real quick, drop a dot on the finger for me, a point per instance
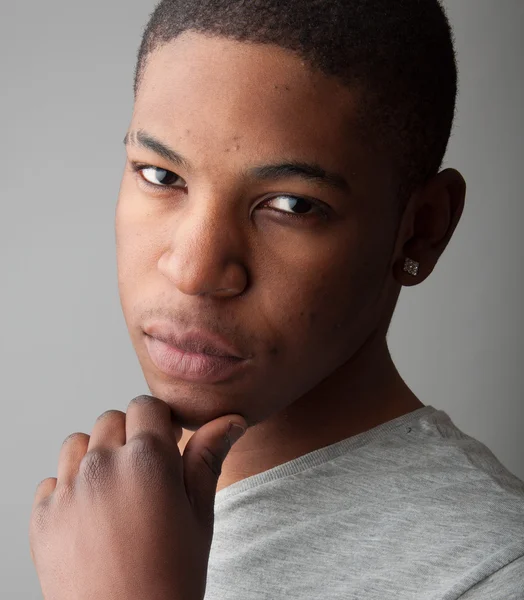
(44, 489)
(73, 450)
(109, 431)
(203, 458)
(147, 414)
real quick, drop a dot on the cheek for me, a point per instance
(134, 233)
(332, 302)
(315, 323)
(133, 262)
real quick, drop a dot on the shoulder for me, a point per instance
(470, 485)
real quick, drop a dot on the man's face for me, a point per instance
(223, 251)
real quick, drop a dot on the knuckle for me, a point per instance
(94, 466)
(75, 437)
(39, 517)
(145, 443)
(146, 454)
(63, 494)
(143, 399)
(44, 481)
(113, 412)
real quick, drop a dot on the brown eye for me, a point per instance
(293, 204)
(295, 207)
(159, 177)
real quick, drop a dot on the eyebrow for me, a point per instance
(308, 171)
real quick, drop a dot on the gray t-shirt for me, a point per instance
(412, 509)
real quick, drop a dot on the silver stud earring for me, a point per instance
(411, 266)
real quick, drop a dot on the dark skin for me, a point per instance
(309, 298)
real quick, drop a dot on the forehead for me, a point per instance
(226, 103)
(224, 88)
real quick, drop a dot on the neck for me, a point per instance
(364, 393)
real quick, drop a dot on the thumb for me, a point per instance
(203, 457)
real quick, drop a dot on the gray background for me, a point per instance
(65, 353)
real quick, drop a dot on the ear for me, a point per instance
(429, 221)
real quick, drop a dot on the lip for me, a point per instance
(194, 341)
(191, 366)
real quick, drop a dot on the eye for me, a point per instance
(295, 206)
(155, 176)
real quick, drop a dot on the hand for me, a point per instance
(128, 517)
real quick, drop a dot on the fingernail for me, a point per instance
(235, 432)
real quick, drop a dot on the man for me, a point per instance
(282, 185)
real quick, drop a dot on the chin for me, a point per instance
(194, 405)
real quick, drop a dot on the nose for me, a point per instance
(206, 253)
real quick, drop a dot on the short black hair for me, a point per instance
(399, 52)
